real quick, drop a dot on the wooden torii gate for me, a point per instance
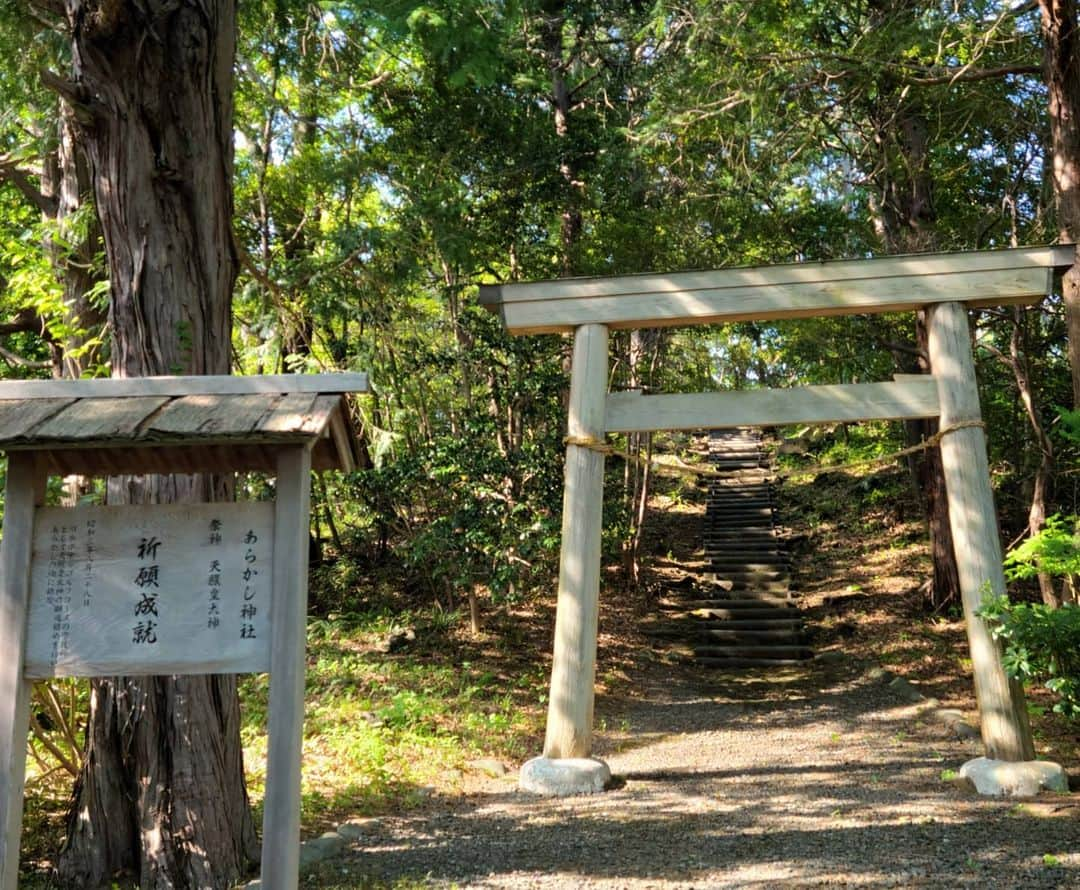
(947, 284)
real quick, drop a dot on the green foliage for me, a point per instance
(1042, 644)
(1054, 551)
(378, 727)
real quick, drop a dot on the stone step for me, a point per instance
(736, 552)
(763, 571)
(720, 594)
(756, 581)
(730, 526)
(736, 599)
(722, 584)
(739, 508)
(727, 526)
(757, 613)
(681, 618)
(734, 558)
(731, 481)
(745, 548)
(744, 551)
(732, 541)
(752, 587)
(728, 531)
(741, 488)
(752, 651)
(731, 663)
(751, 578)
(746, 563)
(786, 636)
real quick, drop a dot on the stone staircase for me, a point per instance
(740, 611)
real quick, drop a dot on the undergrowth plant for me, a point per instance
(1042, 643)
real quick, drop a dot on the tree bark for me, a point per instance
(76, 265)
(931, 476)
(553, 21)
(162, 794)
(1061, 62)
(1045, 472)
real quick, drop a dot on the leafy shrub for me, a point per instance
(1042, 644)
(1055, 550)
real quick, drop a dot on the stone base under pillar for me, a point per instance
(563, 777)
(999, 778)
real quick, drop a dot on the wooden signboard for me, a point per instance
(162, 589)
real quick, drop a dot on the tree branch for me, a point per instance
(963, 75)
(13, 174)
(26, 321)
(919, 75)
(75, 95)
(19, 362)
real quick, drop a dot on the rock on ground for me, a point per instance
(998, 778)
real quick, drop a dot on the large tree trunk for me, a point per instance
(552, 24)
(945, 587)
(162, 794)
(905, 221)
(1045, 472)
(65, 183)
(81, 274)
(1061, 41)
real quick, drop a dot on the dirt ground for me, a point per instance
(799, 778)
(829, 774)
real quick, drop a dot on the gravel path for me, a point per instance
(800, 778)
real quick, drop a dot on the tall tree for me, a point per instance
(1061, 57)
(162, 793)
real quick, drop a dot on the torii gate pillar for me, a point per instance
(973, 519)
(565, 767)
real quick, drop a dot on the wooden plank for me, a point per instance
(205, 415)
(773, 302)
(319, 418)
(341, 436)
(634, 412)
(25, 486)
(213, 456)
(184, 386)
(20, 417)
(973, 520)
(779, 274)
(570, 704)
(290, 414)
(150, 589)
(89, 419)
(281, 807)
